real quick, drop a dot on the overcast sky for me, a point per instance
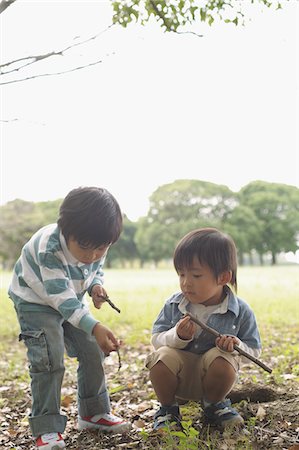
(222, 108)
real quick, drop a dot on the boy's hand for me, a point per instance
(105, 339)
(226, 343)
(186, 328)
(98, 295)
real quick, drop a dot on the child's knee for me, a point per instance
(168, 356)
(222, 366)
(219, 359)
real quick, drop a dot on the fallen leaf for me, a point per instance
(261, 413)
(138, 423)
(67, 400)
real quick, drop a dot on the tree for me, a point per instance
(276, 207)
(172, 15)
(177, 208)
(18, 221)
(176, 13)
(125, 249)
(154, 241)
(49, 210)
(200, 203)
(262, 216)
(244, 227)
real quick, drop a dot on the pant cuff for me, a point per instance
(48, 423)
(94, 405)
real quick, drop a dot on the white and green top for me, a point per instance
(48, 274)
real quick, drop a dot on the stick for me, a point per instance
(236, 347)
(107, 299)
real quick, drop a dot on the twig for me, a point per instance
(119, 359)
(107, 299)
(5, 68)
(51, 74)
(236, 347)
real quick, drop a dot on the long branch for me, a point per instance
(37, 58)
(5, 68)
(236, 347)
(52, 74)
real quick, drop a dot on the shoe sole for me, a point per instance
(168, 427)
(54, 447)
(227, 424)
(121, 428)
(233, 423)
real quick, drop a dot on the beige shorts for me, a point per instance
(190, 368)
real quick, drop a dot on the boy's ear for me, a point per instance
(225, 277)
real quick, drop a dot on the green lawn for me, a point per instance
(272, 292)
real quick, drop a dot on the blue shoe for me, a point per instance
(167, 416)
(222, 414)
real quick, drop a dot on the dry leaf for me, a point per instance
(261, 413)
(67, 400)
(139, 423)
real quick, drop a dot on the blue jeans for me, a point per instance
(46, 335)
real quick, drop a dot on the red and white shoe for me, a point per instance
(50, 441)
(104, 422)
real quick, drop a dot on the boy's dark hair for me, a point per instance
(211, 247)
(91, 216)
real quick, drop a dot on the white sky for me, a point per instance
(222, 108)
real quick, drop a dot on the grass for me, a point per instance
(272, 292)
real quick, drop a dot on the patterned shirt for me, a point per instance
(48, 274)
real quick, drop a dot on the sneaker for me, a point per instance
(104, 422)
(222, 414)
(50, 441)
(166, 417)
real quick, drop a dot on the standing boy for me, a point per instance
(57, 266)
(188, 363)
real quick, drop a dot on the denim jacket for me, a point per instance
(239, 321)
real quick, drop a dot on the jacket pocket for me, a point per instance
(37, 350)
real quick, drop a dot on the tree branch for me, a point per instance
(162, 17)
(167, 25)
(51, 74)
(5, 4)
(8, 67)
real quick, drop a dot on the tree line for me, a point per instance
(262, 218)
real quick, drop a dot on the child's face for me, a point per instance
(86, 255)
(199, 285)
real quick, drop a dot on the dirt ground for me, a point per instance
(270, 410)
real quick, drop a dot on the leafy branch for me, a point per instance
(175, 14)
(172, 14)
